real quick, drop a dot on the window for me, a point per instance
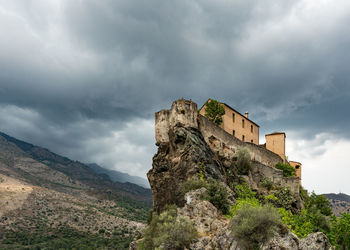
(242, 123)
(233, 132)
(251, 141)
(251, 128)
(233, 117)
(242, 137)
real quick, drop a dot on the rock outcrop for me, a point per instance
(189, 146)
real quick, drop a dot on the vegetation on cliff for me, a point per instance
(287, 169)
(168, 231)
(214, 111)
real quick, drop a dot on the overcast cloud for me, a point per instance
(84, 78)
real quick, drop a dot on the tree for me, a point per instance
(214, 111)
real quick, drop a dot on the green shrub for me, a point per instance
(243, 191)
(319, 202)
(168, 231)
(340, 233)
(287, 169)
(284, 198)
(217, 195)
(305, 223)
(270, 198)
(243, 202)
(266, 183)
(304, 195)
(253, 226)
(243, 162)
(193, 184)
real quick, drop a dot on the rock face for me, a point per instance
(190, 146)
(177, 161)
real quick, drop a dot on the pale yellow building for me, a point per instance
(238, 125)
(246, 130)
(276, 142)
(297, 166)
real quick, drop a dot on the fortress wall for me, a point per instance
(258, 153)
(162, 126)
(182, 112)
(260, 171)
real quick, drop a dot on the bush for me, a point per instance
(287, 169)
(284, 197)
(252, 202)
(253, 226)
(243, 162)
(243, 191)
(193, 184)
(319, 202)
(217, 195)
(168, 231)
(305, 223)
(340, 233)
(266, 183)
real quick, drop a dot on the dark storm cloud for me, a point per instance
(75, 73)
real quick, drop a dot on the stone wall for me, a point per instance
(258, 153)
(182, 112)
(226, 145)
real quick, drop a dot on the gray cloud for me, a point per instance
(74, 74)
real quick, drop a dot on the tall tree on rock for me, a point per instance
(214, 111)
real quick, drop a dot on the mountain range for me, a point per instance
(118, 176)
(340, 203)
(48, 200)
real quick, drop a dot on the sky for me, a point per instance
(84, 78)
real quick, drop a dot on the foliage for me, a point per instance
(267, 184)
(305, 223)
(319, 202)
(284, 198)
(243, 191)
(304, 195)
(168, 231)
(287, 169)
(340, 233)
(254, 225)
(193, 184)
(270, 198)
(243, 162)
(243, 202)
(312, 218)
(217, 195)
(214, 111)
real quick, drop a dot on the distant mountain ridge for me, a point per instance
(340, 203)
(118, 176)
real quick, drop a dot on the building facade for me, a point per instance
(276, 142)
(237, 124)
(244, 129)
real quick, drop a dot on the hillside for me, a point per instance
(340, 203)
(49, 200)
(119, 176)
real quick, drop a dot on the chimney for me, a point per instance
(246, 114)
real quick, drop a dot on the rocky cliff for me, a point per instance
(190, 147)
